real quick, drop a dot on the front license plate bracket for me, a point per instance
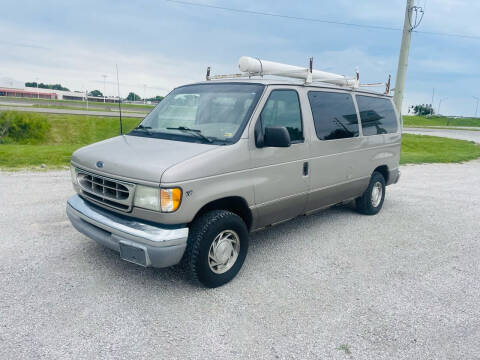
(133, 254)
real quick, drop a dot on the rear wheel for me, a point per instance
(371, 202)
(216, 248)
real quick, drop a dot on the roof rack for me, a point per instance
(251, 67)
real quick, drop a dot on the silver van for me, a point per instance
(219, 159)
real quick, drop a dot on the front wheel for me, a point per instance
(371, 202)
(216, 248)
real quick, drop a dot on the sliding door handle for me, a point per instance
(305, 168)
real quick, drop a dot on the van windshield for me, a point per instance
(207, 113)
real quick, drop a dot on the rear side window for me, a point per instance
(377, 115)
(283, 109)
(334, 115)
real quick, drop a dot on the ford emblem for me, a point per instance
(100, 164)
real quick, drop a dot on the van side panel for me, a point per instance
(335, 170)
(381, 149)
(223, 172)
(280, 187)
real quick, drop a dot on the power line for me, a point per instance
(474, 37)
(283, 16)
(317, 20)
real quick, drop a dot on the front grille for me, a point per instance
(111, 192)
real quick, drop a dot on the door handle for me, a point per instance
(305, 168)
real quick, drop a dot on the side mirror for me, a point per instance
(276, 137)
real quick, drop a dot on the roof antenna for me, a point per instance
(387, 85)
(208, 74)
(357, 78)
(310, 70)
(119, 102)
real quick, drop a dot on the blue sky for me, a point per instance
(163, 44)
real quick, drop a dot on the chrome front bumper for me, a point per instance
(137, 242)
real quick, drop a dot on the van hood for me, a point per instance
(135, 157)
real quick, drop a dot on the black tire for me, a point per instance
(202, 233)
(364, 203)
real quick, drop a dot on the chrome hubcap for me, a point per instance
(224, 251)
(377, 192)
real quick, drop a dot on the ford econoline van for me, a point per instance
(219, 159)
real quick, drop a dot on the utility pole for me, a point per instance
(38, 94)
(476, 107)
(403, 59)
(104, 87)
(440, 104)
(433, 95)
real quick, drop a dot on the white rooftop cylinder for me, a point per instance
(264, 67)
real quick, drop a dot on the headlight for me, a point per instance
(147, 197)
(170, 199)
(73, 173)
(164, 200)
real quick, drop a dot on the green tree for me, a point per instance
(46, 86)
(423, 109)
(157, 98)
(96, 93)
(133, 97)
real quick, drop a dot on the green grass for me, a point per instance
(70, 132)
(47, 102)
(422, 121)
(345, 348)
(90, 108)
(83, 129)
(33, 156)
(67, 133)
(418, 149)
(113, 108)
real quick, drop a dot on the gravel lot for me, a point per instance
(337, 285)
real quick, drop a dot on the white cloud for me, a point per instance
(79, 65)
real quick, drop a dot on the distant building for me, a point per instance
(28, 93)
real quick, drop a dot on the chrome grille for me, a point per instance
(111, 192)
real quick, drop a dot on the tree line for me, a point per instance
(131, 96)
(46, 86)
(97, 93)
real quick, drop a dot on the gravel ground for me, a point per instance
(469, 135)
(400, 285)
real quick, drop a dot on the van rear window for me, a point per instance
(334, 115)
(377, 115)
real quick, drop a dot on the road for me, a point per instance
(469, 135)
(403, 284)
(125, 113)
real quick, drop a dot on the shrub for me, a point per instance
(22, 127)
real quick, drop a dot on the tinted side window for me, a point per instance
(283, 109)
(377, 115)
(334, 115)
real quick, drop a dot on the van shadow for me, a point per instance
(175, 277)
(110, 262)
(299, 226)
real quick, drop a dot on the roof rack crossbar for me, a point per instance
(252, 67)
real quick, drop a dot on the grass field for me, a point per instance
(67, 133)
(72, 103)
(70, 132)
(112, 107)
(422, 121)
(418, 149)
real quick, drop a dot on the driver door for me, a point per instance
(279, 174)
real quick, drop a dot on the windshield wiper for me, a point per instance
(143, 128)
(196, 132)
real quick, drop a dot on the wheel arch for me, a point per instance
(236, 204)
(383, 169)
